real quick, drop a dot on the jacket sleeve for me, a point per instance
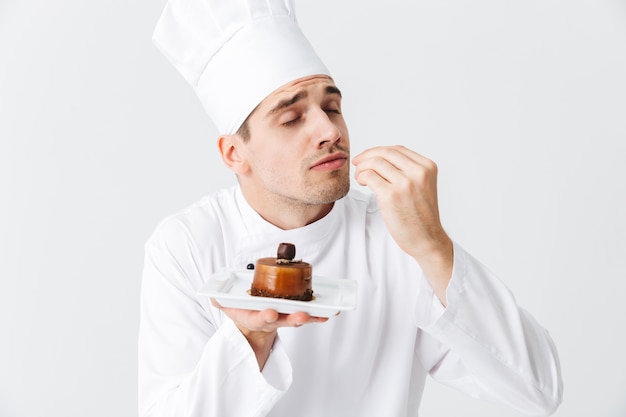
(484, 344)
(193, 361)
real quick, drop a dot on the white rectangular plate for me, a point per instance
(231, 289)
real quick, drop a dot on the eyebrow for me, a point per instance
(331, 89)
(287, 102)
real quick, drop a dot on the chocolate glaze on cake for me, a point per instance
(283, 277)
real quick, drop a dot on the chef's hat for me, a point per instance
(235, 52)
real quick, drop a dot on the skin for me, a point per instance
(295, 164)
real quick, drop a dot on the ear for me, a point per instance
(229, 147)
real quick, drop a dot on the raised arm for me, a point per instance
(405, 185)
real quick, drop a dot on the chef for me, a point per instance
(424, 306)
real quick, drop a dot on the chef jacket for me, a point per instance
(372, 361)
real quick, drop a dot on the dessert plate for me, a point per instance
(231, 289)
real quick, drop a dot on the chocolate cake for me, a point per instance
(283, 277)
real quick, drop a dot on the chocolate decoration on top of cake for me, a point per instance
(286, 251)
(283, 277)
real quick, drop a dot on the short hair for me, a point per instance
(244, 130)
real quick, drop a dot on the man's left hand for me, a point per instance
(405, 185)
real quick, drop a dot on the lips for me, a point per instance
(331, 162)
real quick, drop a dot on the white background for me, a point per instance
(521, 103)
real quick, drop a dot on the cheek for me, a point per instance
(270, 164)
(277, 154)
(282, 169)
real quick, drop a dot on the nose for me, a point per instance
(326, 132)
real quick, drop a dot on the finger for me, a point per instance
(269, 316)
(372, 179)
(387, 150)
(404, 173)
(264, 320)
(376, 151)
(382, 167)
(268, 319)
(298, 319)
(398, 155)
(411, 154)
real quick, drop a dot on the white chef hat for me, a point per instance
(235, 52)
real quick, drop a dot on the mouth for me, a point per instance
(331, 162)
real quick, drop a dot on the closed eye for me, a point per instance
(291, 122)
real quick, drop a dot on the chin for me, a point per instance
(330, 195)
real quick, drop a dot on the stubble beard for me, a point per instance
(325, 189)
(335, 186)
(338, 188)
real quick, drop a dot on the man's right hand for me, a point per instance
(259, 327)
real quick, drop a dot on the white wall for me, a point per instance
(522, 104)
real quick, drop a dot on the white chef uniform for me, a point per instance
(372, 361)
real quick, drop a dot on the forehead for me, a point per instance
(307, 84)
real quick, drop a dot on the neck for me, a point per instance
(286, 213)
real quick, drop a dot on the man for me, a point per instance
(424, 306)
